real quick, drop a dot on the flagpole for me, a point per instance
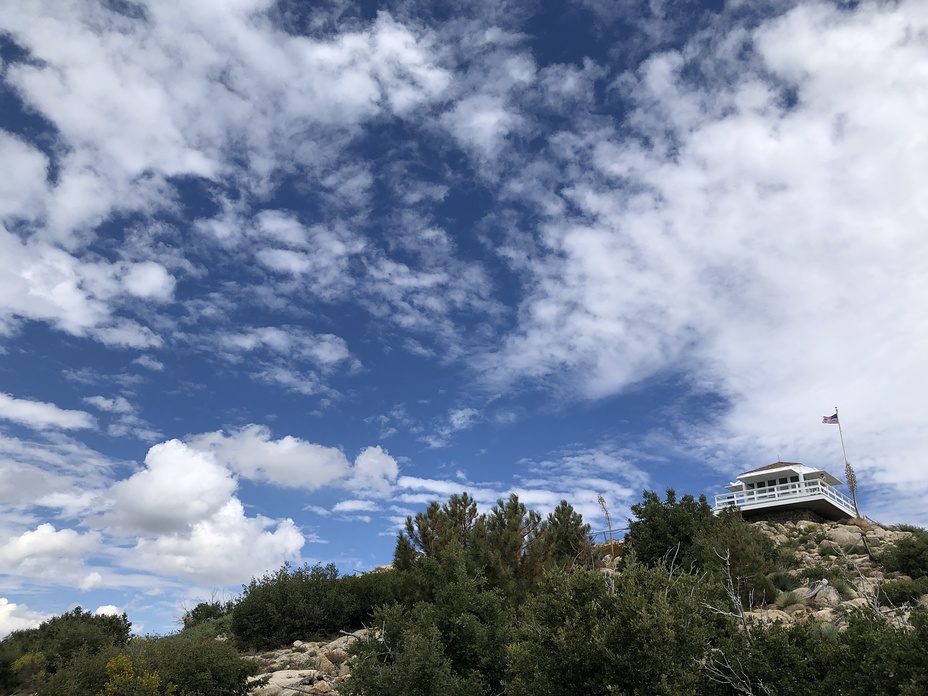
(848, 471)
(841, 435)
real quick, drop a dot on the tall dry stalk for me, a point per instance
(851, 478)
(602, 505)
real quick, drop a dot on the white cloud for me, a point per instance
(90, 581)
(149, 280)
(40, 415)
(56, 472)
(457, 420)
(769, 252)
(356, 506)
(149, 363)
(374, 472)
(45, 283)
(294, 463)
(142, 99)
(107, 610)
(115, 405)
(481, 123)
(178, 488)
(45, 540)
(18, 617)
(53, 555)
(21, 195)
(325, 350)
(225, 549)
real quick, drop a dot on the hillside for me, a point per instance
(833, 577)
(512, 603)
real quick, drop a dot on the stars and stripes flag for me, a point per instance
(831, 420)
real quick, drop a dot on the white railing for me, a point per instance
(784, 493)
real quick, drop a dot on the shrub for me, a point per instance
(193, 666)
(898, 592)
(643, 638)
(291, 604)
(665, 530)
(751, 556)
(786, 599)
(59, 641)
(207, 611)
(453, 644)
(908, 556)
(83, 674)
(783, 581)
(367, 592)
(128, 678)
(832, 574)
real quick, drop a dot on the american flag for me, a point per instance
(831, 420)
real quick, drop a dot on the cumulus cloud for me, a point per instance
(49, 555)
(149, 280)
(225, 549)
(18, 617)
(374, 472)
(107, 610)
(45, 542)
(21, 195)
(179, 487)
(295, 463)
(40, 415)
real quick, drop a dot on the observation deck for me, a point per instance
(786, 486)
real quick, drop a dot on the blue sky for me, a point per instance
(275, 275)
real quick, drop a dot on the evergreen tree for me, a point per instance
(568, 538)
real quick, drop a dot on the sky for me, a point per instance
(277, 274)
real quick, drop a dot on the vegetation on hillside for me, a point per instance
(510, 602)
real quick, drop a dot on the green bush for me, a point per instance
(83, 674)
(664, 531)
(751, 556)
(194, 666)
(639, 632)
(832, 574)
(787, 599)
(56, 643)
(207, 611)
(455, 643)
(368, 592)
(908, 556)
(291, 604)
(783, 580)
(898, 592)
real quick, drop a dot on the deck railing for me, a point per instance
(784, 493)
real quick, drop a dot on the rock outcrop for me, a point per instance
(313, 668)
(835, 568)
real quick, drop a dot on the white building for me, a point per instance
(786, 486)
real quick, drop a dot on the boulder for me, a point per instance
(822, 594)
(844, 535)
(279, 681)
